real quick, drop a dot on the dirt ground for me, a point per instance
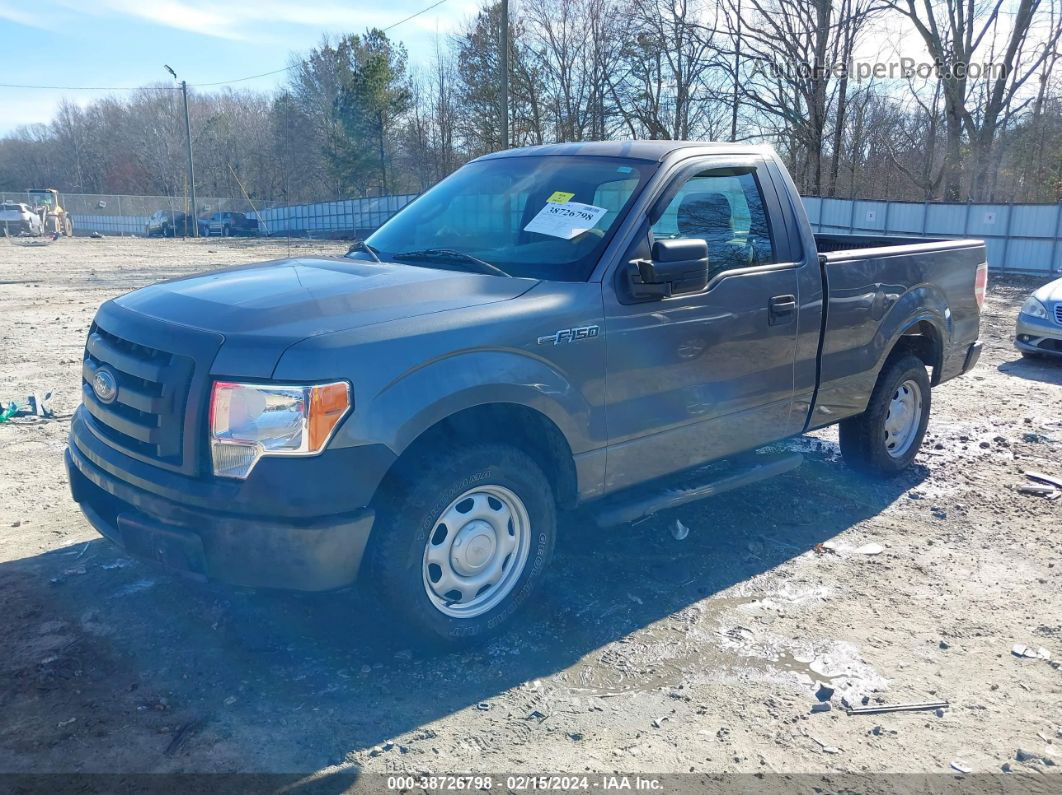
(643, 653)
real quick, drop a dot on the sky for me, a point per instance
(126, 42)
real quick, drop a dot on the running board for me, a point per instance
(639, 506)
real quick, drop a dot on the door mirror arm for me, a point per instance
(677, 266)
(645, 282)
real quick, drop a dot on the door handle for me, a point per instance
(781, 309)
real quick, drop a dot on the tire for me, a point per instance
(869, 443)
(411, 538)
(68, 226)
(226, 232)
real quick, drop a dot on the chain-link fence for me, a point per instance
(157, 215)
(345, 218)
(113, 214)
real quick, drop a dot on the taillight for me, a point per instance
(981, 284)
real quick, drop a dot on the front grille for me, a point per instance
(147, 414)
(1058, 312)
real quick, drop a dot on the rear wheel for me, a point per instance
(68, 226)
(885, 438)
(462, 540)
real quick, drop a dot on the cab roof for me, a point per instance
(653, 151)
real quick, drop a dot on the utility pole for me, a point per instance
(503, 59)
(737, 70)
(188, 143)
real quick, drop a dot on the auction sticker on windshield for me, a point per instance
(565, 220)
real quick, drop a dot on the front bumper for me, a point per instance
(1038, 335)
(216, 530)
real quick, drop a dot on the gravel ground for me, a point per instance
(643, 653)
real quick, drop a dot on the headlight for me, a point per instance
(248, 421)
(1033, 308)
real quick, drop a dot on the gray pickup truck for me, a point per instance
(616, 326)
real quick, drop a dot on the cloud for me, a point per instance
(208, 19)
(265, 20)
(20, 15)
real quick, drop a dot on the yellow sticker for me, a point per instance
(560, 197)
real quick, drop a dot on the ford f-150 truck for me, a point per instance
(617, 326)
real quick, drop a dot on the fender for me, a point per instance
(924, 303)
(428, 393)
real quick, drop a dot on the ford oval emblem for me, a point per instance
(105, 386)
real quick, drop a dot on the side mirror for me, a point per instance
(677, 266)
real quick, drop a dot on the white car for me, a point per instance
(1039, 328)
(18, 219)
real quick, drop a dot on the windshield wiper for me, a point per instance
(452, 256)
(361, 245)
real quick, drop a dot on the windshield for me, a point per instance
(539, 217)
(43, 199)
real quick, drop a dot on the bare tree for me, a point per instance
(956, 32)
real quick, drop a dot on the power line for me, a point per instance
(209, 85)
(249, 77)
(413, 16)
(304, 60)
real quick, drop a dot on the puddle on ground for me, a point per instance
(708, 643)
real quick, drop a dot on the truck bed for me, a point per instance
(878, 288)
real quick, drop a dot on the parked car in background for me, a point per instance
(18, 219)
(228, 224)
(164, 223)
(1039, 327)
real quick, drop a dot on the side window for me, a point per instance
(723, 207)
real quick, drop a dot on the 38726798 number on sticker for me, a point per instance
(565, 220)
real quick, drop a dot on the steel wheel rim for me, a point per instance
(476, 551)
(902, 418)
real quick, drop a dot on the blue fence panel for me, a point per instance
(1021, 238)
(869, 216)
(813, 208)
(946, 220)
(988, 220)
(836, 213)
(906, 218)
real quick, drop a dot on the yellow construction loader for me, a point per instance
(45, 202)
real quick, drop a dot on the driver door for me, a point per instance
(696, 377)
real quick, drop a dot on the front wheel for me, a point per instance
(885, 438)
(462, 540)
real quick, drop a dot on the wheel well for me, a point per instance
(923, 340)
(506, 423)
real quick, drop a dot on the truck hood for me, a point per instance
(261, 309)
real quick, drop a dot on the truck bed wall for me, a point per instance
(876, 294)
(826, 243)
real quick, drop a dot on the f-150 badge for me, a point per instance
(566, 335)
